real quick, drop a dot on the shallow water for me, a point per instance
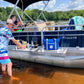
(32, 73)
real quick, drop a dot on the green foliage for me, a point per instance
(55, 16)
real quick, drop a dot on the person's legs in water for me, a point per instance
(6, 64)
(9, 69)
(3, 67)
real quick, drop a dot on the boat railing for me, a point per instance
(58, 29)
(59, 26)
(18, 34)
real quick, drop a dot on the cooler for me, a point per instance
(51, 44)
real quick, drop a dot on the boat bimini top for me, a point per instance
(26, 3)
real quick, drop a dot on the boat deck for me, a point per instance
(65, 51)
(65, 57)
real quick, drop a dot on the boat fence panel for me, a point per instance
(71, 38)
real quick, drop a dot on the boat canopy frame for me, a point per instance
(21, 1)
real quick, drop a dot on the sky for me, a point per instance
(53, 5)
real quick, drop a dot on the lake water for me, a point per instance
(32, 73)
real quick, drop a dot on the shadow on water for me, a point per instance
(33, 68)
(35, 73)
(44, 70)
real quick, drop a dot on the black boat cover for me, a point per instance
(26, 3)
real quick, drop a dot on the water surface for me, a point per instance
(32, 73)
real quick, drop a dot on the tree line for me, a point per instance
(34, 13)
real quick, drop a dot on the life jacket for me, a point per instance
(19, 23)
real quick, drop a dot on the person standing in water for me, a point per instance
(5, 37)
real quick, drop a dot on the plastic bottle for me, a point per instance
(27, 45)
(18, 47)
(32, 45)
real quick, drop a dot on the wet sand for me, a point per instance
(32, 73)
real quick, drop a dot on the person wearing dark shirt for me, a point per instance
(16, 22)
